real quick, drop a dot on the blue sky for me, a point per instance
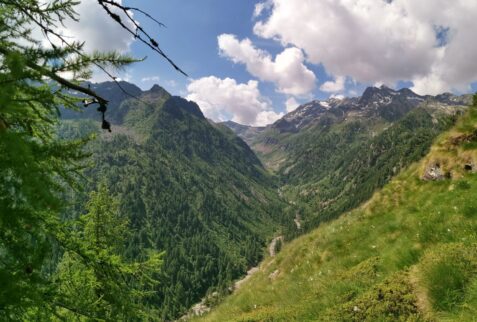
(254, 60)
(190, 39)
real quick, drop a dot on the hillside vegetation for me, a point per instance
(408, 254)
(189, 188)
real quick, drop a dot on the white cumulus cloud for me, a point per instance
(261, 7)
(97, 29)
(291, 104)
(338, 85)
(224, 99)
(287, 71)
(267, 117)
(429, 42)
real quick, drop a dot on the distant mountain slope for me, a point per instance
(111, 92)
(190, 188)
(408, 254)
(247, 133)
(332, 155)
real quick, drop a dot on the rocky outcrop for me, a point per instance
(434, 172)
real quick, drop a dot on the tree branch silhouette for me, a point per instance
(140, 34)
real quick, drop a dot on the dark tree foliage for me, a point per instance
(37, 169)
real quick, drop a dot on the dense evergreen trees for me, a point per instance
(37, 168)
(94, 279)
(190, 188)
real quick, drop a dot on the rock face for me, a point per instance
(304, 115)
(434, 172)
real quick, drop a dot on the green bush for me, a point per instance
(391, 300)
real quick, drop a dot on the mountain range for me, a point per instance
(332, 155)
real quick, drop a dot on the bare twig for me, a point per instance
(150, 42)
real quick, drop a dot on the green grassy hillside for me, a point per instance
(408, 254)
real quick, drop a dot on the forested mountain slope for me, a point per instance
(190, 188)
(332, 155)
(408, 254)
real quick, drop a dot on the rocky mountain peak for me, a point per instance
(156, 88)
(302, 116)
(368, 94)
(384, 97)
(410, 94)
(377, 95)
(157, 91)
